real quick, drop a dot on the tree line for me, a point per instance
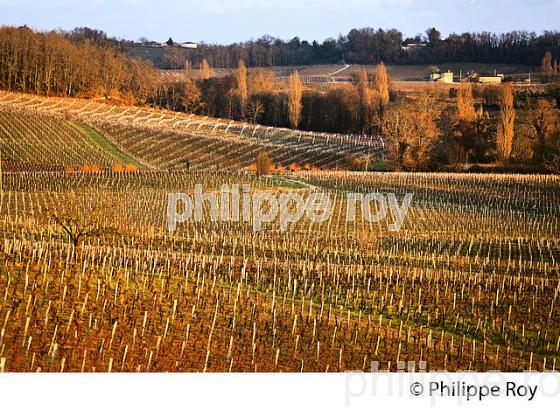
(371, 46)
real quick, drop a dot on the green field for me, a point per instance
(105, 144)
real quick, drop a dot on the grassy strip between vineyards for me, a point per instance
(105, 144)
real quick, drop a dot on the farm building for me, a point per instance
(485, 79)
(490, 79)
(152, 44)
(189, 44)
(413, 46)
(440, 77)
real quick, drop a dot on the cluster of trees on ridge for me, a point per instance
(371, 46)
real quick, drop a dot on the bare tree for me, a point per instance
(543, 121)
(547, 65)
(255, 109)
(398, 127)
(264, 164)
(463, 123)
(294, 99)
(412, 133)
(362, 161)
(187, 68)
(87, 213)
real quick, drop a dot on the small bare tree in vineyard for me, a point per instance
(86, 214)
(264, 164)
(363, 161)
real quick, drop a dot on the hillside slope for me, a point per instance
(76, 132)
(42, 142)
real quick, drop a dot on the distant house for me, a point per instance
(413, 46)
(439, 77)
(152, 44)
(189, 44)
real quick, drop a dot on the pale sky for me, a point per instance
(227, 21)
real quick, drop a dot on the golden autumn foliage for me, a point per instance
(242, 86)
(411, 130)
(465, 105)
(506, 126)
(294, 100)
(206, 71)
(261, 80)
(130, 168)
(191, 95)
(381, 83)
(90, 169)
(49, 63)
(118, 168)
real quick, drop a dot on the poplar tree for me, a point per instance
(366, 99)
(465, 105)
(242, 86)
(506, 125)
(381, 83)
(294, 100)
(205, 70)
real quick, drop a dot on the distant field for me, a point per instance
(398, 72)
(145, 53)
(415, 72)
(342, 73)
